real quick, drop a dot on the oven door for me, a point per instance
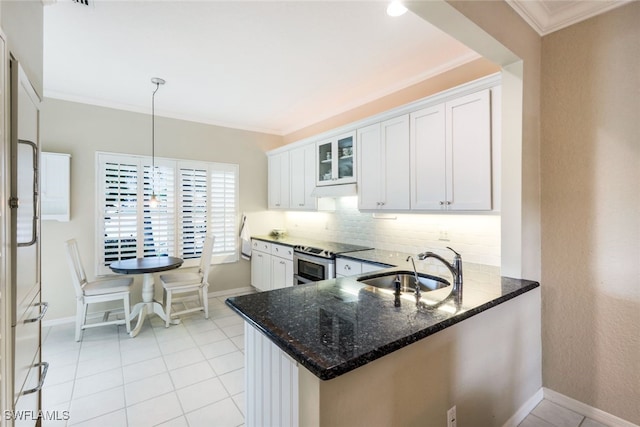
(309, 268)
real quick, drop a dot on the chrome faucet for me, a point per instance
(455, 267)
(415, 274)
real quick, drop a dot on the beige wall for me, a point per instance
(591, 211)
(470, 71)
(81, 130)
(22, 22)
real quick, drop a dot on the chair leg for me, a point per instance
(127, 313)
(205, 300)
(81, 313)
(167, 309)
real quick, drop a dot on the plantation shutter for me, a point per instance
(158, 227)
(195, 198)
(119, 211)
(193, 210)
(224, 181)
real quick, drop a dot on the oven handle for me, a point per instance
(299, 280)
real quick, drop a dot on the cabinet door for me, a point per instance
(325, 150)
(395, 160)
(428, 158)
(344, 165)
(303, 177)
(281, 272)
(335, 160)
(468, 137)
(261, 271)
(370, 169)
(278, 181)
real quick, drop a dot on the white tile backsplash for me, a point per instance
(475, 236)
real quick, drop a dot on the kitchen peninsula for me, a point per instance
(340, 352)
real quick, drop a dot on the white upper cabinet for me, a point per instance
(451, 155)
(278, 185)
(383, 165)
(335, 160)
(55, 186)
(303, 173)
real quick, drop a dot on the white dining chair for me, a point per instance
(189, 282)
(96, 291)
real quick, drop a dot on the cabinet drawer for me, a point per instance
(27, 342)
(347, 267)
(259, 245)
(282, 251)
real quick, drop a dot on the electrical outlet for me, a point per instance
(444, 235)
(451, 417)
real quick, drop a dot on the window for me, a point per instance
(195, 198)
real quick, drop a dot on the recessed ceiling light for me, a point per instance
(396, 8)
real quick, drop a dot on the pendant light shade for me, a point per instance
(153, 202)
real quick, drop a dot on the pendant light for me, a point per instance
(153, 202)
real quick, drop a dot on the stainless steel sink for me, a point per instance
(407, 281)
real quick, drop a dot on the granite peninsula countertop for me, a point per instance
(335, 326)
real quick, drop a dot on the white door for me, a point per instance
(25, 242)
(281, 272)
(428, 158)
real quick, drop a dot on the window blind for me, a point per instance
(195, 198)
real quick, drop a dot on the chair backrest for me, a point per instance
(78, 275)
(205, 257)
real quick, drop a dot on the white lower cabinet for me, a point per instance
(271, 383)
(281, 266)
(271, 265)
(261, 265)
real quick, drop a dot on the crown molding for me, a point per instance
(546, 19)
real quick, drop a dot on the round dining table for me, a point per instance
(146, 266)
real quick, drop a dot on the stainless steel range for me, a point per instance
(317, 260)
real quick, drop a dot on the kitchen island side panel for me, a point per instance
(489, 366)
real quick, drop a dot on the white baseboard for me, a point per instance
(586, 410)
(524, 410)
(236, 291)
(72, 319)
(58, 322)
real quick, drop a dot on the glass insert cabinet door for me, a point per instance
(336, 160)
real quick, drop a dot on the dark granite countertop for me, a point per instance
(335, 326)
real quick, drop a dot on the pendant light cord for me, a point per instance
(153, 134)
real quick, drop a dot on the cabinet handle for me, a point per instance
(42, 378)
(441, 203)
(45, 307)
(448, 202)
(281, 262)
(14, 202)
(300, 204)
(347, 267)
(277, 250)
(382, 203)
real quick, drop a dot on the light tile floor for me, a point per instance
(550, 414)
(190, 374)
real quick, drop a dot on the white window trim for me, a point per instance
(102, 157)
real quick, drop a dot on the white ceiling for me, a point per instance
(271, 66)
